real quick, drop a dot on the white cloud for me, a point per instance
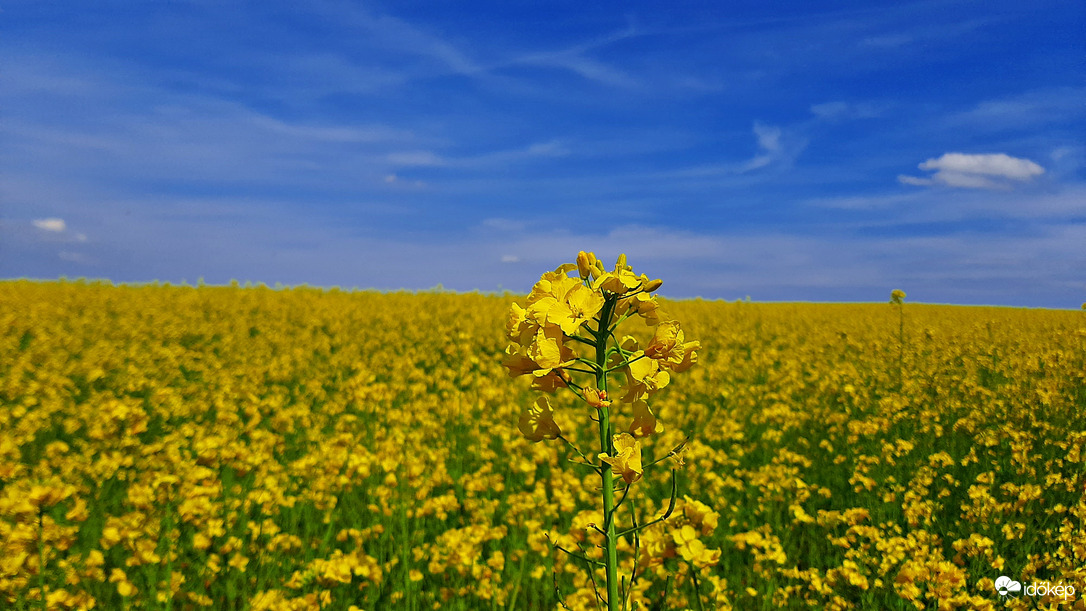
(985, 171)
(999, 164)
(510, 259)
(50, 224)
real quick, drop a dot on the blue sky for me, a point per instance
(779, 150)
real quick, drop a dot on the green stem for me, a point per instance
(584, 458)
(607, 477)
(625, 363)
(41, 558)
(578, 338)
(697, 590)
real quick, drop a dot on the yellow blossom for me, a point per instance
(644, 421)
(537, 422)
(626, 462)
(667, 344)
(596, 398)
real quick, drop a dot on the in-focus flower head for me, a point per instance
(580, 305)
(618, 282)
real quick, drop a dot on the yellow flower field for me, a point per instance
(166, 447)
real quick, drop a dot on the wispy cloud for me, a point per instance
(576, 59)
(1021, 209)
(165, 135)
(424, 159)
(769, 142)
(984, 171)
(394, 34)
(775, 147)
(1025, 110)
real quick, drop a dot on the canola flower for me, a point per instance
(568, 326)
(242, 447)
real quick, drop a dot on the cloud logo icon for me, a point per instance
(1005, 586)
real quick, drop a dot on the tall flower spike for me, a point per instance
(565, 332)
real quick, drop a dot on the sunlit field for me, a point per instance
(166, 447)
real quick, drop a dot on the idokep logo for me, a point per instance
(1009, 588)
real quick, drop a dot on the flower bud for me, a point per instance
(596, 398)
(585, 263)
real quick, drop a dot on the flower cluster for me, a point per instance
(567, 321)
(567, 327)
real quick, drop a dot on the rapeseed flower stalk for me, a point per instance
(565, 337)
(897, 298)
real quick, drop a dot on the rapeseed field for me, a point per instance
(173, 447)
